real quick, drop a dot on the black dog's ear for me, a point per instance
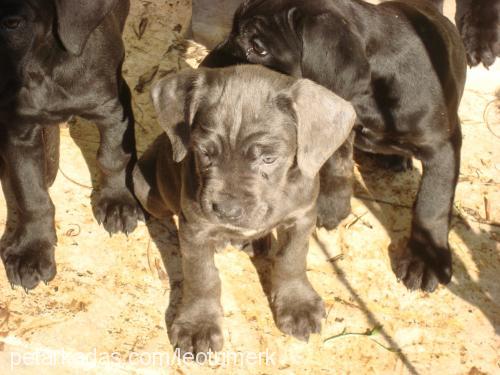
(176, 98)
(76, 19)
(324, 122)
(334, 56)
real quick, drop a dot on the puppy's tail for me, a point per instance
(51, 141)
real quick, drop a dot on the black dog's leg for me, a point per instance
(28, 255)
(428, 261)
(197, 326)
(116, 207)
(297, 308)
(479, 24)
(336, 179)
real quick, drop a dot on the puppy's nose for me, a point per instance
(227, 208)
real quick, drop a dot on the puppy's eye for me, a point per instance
(205, 157)
(204, 154)
(258, 47)
(268, 159)
(11, 23)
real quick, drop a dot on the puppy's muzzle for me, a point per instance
(227, 208)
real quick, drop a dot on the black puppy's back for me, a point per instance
(442, 44)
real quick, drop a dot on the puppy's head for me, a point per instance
(32, 30)
(304, 39)
(255, 139)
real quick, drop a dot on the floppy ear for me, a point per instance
(77, 19)
(176, 99)
(324, 122)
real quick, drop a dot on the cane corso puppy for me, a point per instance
(61, 58)
(402, 65)
(241, 156)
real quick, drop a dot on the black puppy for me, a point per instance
(402, 64)
(61, 58)
(242, 156)
(477, 20)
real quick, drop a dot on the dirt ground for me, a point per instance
(111, 295)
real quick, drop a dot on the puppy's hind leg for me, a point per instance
(336, 179)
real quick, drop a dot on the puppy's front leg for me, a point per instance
(297, 308)
(479, 24)
(428, 259)
(197, 326)
(336, 177)
(116, 208)
(28, 254)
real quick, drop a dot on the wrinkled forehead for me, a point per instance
(244, 108)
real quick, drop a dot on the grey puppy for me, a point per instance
(240, 157)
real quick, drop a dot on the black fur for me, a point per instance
(61, 58)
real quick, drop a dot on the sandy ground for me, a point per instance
(111, 295)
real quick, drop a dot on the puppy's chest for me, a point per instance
(247, 239)
(43, 101)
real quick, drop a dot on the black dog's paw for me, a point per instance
(197, 335)
(394, 163)
(117, 211)
(298, 311)
(27, 262)
(332, 210)
(424, 268)
(479, 26)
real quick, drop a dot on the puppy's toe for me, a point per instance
(196, 337)
(299, 315)
(419, 277)
(118, 212)
(424, 272)
(480, 33)
(28, 265)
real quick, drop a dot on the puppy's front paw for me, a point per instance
(480, 30)
(117, 210)
(332, 210)
(29, 260)
(424, 267)
(199, 334)
(298, 310)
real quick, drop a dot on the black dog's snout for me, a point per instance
(227, 208)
